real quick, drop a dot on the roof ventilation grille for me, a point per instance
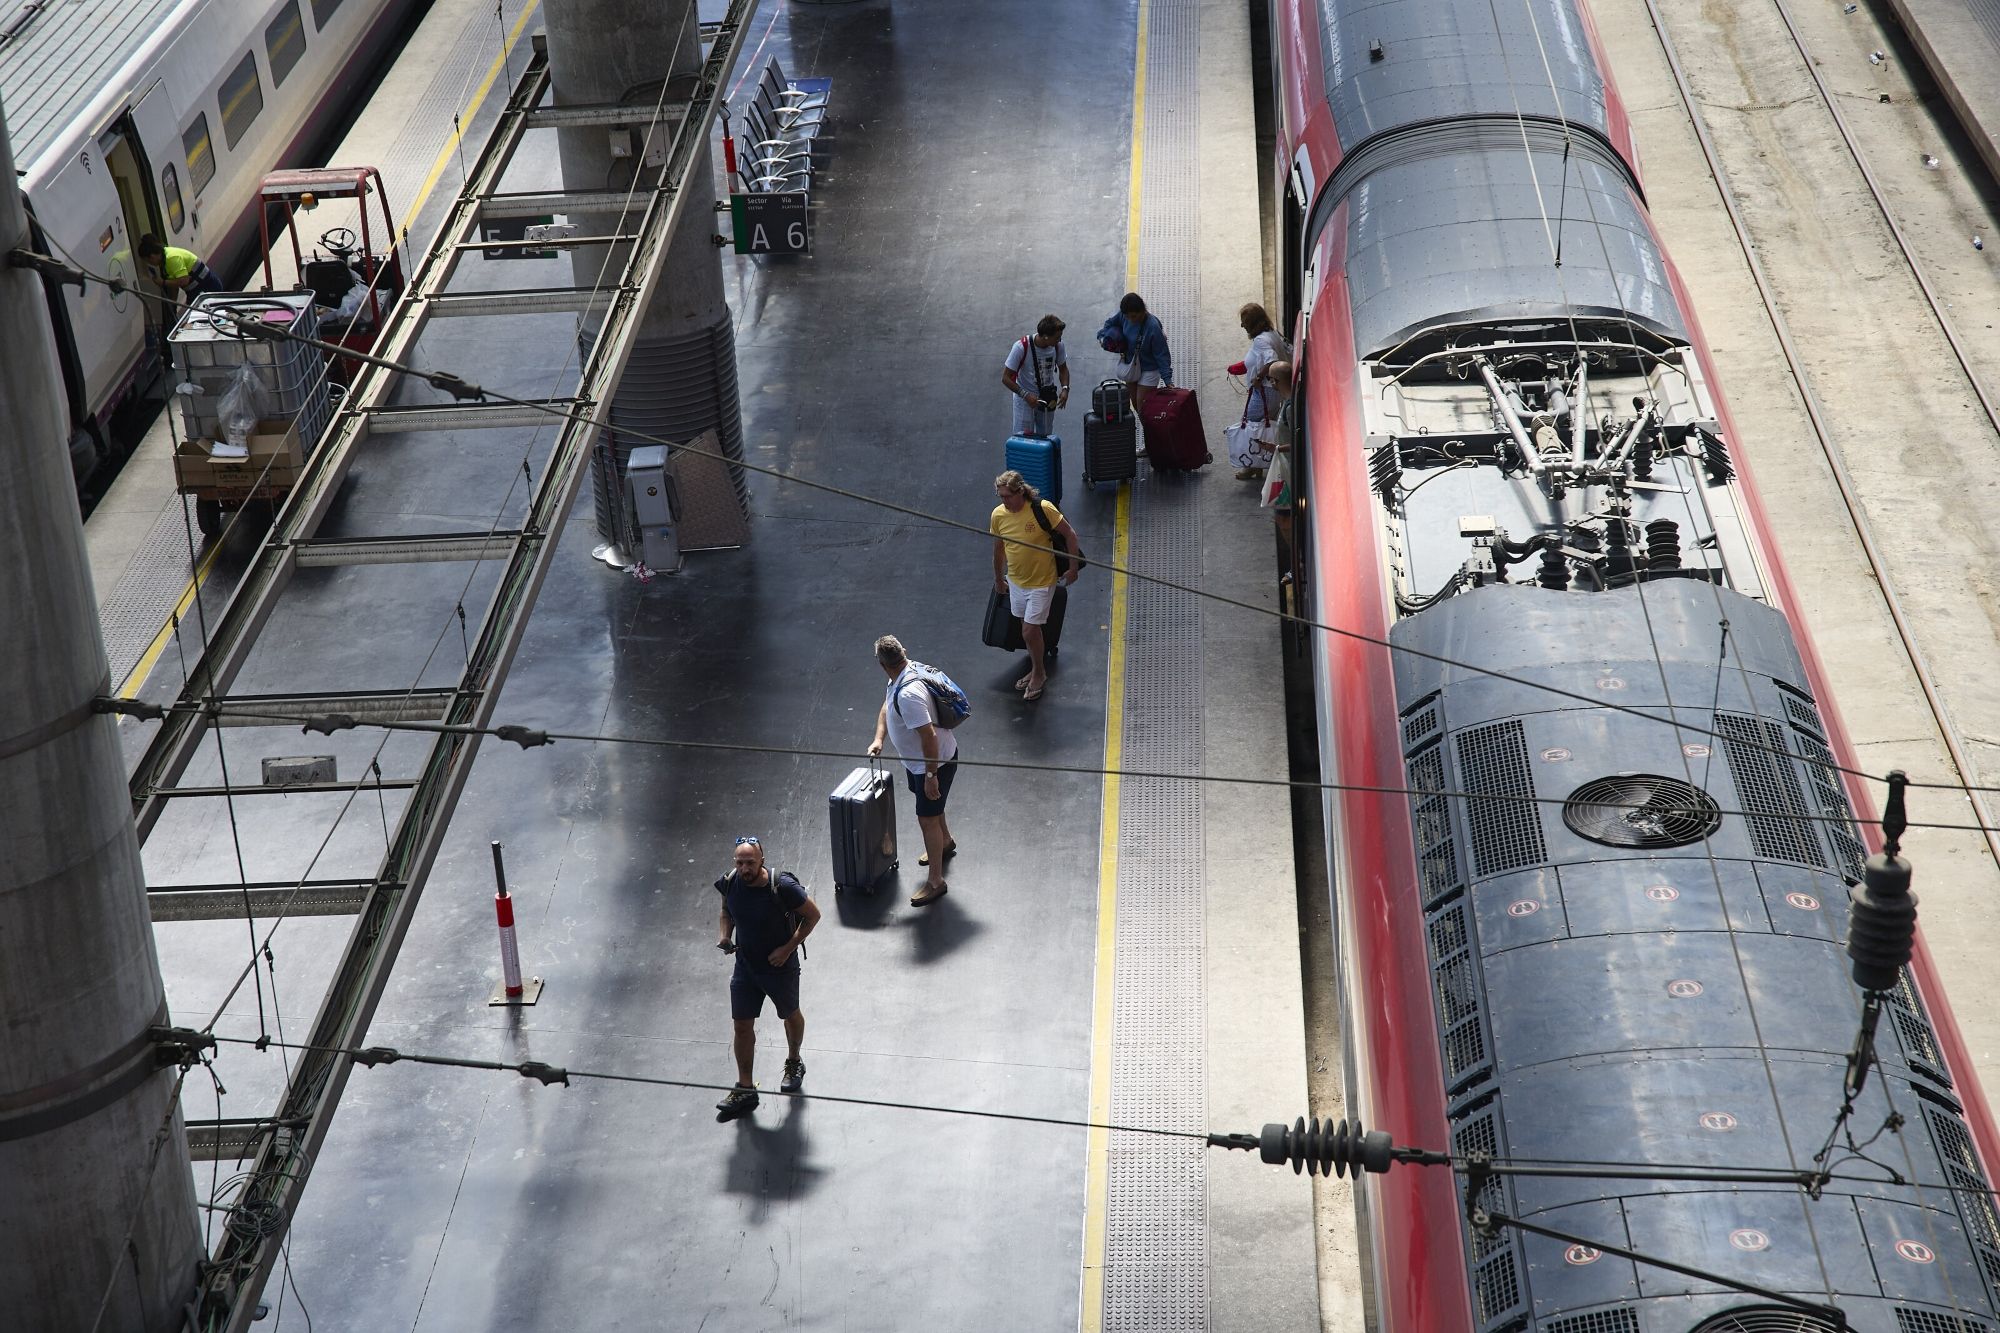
(1641, 810)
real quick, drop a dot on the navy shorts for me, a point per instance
(926, 807)
(747, 991)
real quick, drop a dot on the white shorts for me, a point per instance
(1129, 372)
(1030, 604)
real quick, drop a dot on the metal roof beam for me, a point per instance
(534, 301)
(285, 789)
(278, 710)
(539, 203)
(469, 416)
(266, 898)
(423, 548)
(629, 115)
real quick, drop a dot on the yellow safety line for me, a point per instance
(135, 680)
(1097, 1171)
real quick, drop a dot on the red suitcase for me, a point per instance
(1175, 440)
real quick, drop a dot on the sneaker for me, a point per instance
(795, 1076)
(739, 1101)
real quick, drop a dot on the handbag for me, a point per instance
(1250, 443)
(1277, 481)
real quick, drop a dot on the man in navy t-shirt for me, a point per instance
(765, 917)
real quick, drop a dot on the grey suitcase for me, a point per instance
(862, 812)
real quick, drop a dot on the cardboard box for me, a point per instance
(275, 461)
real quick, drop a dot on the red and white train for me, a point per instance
(1608, 925)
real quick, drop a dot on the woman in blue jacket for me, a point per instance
(1144, 361)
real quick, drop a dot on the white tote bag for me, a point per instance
(1250, 442)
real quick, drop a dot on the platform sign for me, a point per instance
(514, 229)
(770, 224)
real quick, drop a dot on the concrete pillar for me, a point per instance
(682, 376)
(82, 1157)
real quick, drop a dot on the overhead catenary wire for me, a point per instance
(534, 737)
(462, 389)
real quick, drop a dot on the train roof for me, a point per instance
(65, 57)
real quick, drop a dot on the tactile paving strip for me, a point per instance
(1156, 1248)
(147, 592)
(470, 53)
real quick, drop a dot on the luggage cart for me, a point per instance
(209, 349)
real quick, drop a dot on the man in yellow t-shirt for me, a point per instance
(177, 270)
(1020, 523)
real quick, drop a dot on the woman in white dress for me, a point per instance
(1266, 346)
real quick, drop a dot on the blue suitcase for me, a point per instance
(1039, 459)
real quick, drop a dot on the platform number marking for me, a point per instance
(1610, 683)
(770, 224)
(1582, 1254)
(1683, 989)
(1662, 893)
(1523, 907)
(1916, 1251)
(1719, 1121)
(1750, 1239)
(1805, 902)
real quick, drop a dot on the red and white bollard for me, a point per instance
(511, 990)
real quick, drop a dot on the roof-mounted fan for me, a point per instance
(1641, 810)
(1766, 1319)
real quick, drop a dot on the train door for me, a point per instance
(150, 199)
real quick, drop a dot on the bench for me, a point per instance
(782, 124)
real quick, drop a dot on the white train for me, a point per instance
(162, 116)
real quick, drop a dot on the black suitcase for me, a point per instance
(1110, 449)
(1110, 402)
(1003, 628)
(863, 815)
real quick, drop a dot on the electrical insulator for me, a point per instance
(1619, 563)
(1881, 910)
(1554, 572)
(1663, 544)
(1326, 1147)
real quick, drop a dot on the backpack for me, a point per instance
(948, 702)
(1061, 554)
(791, 917)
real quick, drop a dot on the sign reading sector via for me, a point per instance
(770, 224)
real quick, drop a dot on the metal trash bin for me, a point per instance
(656, 508)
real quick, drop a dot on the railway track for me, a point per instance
(1852, 496)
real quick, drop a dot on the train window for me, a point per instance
(285, 41)
(322, 11)
(170, 190)
(242, 97)
(200, 154)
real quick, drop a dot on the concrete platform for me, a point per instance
(976, 180)
(1960, 44)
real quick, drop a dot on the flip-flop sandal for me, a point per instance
(950, 850)
(1033, 695)
(1022, 683)
(927, 897)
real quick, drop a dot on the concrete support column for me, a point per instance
(96, 1193)
(681, 379)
